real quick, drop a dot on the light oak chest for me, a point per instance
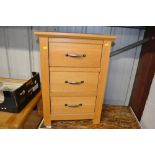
(73, 74)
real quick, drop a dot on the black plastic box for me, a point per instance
(15, 101)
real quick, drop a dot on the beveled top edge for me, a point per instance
(75, 35)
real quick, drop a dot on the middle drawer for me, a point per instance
(73, 82)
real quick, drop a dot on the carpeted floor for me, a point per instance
(113, 117)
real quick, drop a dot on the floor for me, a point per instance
(113, 117)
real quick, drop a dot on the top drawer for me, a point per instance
(74, 55)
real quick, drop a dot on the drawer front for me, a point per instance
(73, 82)
(74, 55)
(72, 105)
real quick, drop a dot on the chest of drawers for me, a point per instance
(73, 75)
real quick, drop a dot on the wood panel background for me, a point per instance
(19, 56)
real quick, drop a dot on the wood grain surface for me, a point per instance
(80, 41)
(102, 80)
(75, 35)
(72, 105)
(58, 51)
(45, 78)
(67, 51)
(17, 120)
(58, 82)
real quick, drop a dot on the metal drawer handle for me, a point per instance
(73, 105)
(73, 82)
(75, 55)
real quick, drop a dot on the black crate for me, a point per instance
(15, 101)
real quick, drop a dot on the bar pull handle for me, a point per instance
(72, 55)
(74, 82)
(73, 105)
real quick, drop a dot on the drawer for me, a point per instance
(72, 105)
(74, 55)
(73, 82)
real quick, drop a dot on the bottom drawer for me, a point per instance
(72, 105)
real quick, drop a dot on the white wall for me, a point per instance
(148, 117)
(19, 56)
